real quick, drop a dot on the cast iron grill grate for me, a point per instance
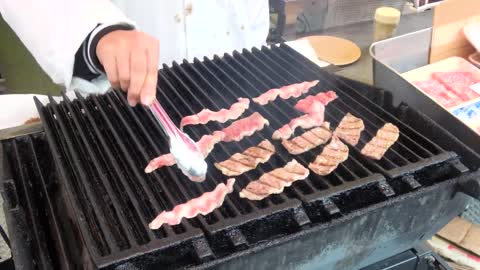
(101, 146)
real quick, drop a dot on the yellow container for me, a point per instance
(386, 22)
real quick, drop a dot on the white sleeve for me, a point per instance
(53, 30)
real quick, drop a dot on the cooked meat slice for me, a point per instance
(267, 145)
(383, 140)
(232, 168)
(240, 163)
(246, 160)
(332, 155)
(272, 181)
(349, 129)
(275, 181)
(308, 140)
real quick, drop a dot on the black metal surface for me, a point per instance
(418, 258)
(100, 147)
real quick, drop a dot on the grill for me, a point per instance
(78, 192)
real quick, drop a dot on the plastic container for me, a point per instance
(386, 22)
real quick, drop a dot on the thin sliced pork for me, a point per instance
(221, 116)
(349, 129)
(308, 140)
(240, 163)
(275, 181)
(314, 109)
(332, 155)
(383, 140)
(307, 104)
(204, 205)
(244, 127)
(285, 92)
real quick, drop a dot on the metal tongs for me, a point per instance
(185, 151)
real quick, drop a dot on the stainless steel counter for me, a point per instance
(362, 35)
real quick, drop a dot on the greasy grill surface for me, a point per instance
(101, 146)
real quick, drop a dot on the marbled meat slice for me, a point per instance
(459, 83)
(305, 121)
(383, 140)
(240, 163)
(349, 129)
(285, 92)
(244, 127)
(307, 104)
(275, 181)
(314, 109)
(204, 205)
(332, 155)
(439, 93)
(308, 140)
(206, 144)
(221, 116)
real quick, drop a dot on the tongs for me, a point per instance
(185, 151)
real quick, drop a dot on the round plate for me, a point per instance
(337, 51)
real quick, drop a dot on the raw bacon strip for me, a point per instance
(349, 129)
(275, 181)
(240, 163)
(383, 140)
(308, 140)
(304, 121)
(244, 127)
(459, 83)
(314, 109)
(307, 104)
(285, 92)
(221, 116)
(204, 204)
(206, 144)
(332, 155)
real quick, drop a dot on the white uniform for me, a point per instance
(53, 30)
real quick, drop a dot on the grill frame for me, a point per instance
(304, 221)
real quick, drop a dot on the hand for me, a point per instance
(130, 59)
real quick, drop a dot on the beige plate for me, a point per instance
(337, 51)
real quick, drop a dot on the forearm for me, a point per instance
(87, 65)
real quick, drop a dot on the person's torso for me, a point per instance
(197, 28)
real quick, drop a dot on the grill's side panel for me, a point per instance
(359, 239)
(29, 189)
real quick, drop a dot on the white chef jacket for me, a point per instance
(53, 30)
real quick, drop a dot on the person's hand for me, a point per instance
(130, 59)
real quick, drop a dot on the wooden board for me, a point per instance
(447, 36)
(334, 50)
